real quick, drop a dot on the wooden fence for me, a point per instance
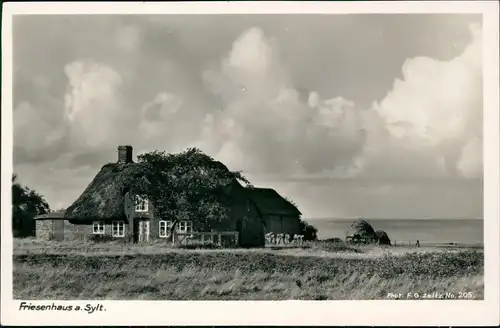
(356, 240)
(420, 243)
(219, 238)
(414, 243)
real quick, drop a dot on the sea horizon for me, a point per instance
(426, 230)
(390, 218)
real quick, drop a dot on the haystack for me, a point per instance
(360, 229)
(382, 238)
(104, 197)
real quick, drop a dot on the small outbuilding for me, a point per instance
(50, 226)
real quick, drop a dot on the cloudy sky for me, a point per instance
(348, 115)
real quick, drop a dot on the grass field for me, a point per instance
(313, 272)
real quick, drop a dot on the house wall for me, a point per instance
(76, 231)
(85, 232)
(133, 216)
(72, 231)
(49, 229)
(43, 229)
(245, 218)
(289, 224)
(154, 222)
(249, 224)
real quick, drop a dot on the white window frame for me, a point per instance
(98, 225)
(141, 204)
(185, 226)
(164, 228)
(116, 231)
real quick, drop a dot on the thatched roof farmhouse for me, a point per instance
(106, 209)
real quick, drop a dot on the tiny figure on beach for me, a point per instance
(418, 243)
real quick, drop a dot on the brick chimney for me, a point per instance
(124, 154)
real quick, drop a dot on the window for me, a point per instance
(165, 227)
(98, 228)
(182, 227)
(185, 227)
(141, 204)
(118, 228)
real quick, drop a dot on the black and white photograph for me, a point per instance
(162, 156)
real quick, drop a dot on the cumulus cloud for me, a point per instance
(265, 126)
(36, 131)
(92, 102)
(99, 117)
(160, 107)
(158, 114)
(428, 125)
(431, 115)
(470, 161)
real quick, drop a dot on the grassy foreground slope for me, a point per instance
(248, 275)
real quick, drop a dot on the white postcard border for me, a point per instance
(407, 313)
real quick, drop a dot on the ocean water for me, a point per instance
(464, 231)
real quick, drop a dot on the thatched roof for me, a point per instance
(362, 229)
(103, 199)
(270, 202)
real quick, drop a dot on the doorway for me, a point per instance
(58, 230)
(141, 231)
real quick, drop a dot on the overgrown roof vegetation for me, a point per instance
(186, 185)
